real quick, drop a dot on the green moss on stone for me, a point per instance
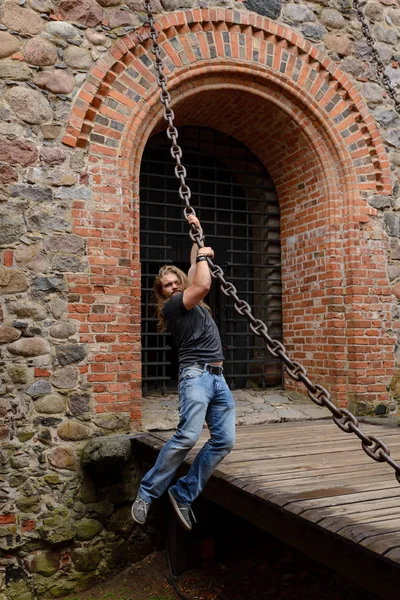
(86, 559)
(58, 527)
(52, 479)
(88, 492)
(28, 504)
(24, 436)
(88, 529)
(46, 563)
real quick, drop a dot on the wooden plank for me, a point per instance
(315, 488)
(359, 532)
(300, 507)
(381, 544)
(249, 455)
(318, 514)
(335, 524)
(393, 554)
(322, 490)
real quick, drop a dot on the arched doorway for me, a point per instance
(239, 210)
(308, 125)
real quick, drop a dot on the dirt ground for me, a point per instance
(269, 570)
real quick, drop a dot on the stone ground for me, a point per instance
(253, 407)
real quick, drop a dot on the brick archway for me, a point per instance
(272, 90)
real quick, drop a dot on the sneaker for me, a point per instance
(183, 512)
(140, 508)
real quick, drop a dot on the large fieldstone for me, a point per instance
(30, 105)
(107, 3)
(17, 373)
(73, 431)
(58, 527)
(57, 177)
(51, 132)
(21, 19)
(65, 378)
(78, 58)
(58, 308)
(26, 308)
(86, 559)
(7, 175)
(85, 12)
(66, 263)
(48, 218)
(67, 355)
(298, 13)
(96, 38)
(122, 18)
(32, 192)
(45, 563)
(9, 44)
(112, 421)
(176, 4)
(12, 281)
(73, 244)
(372, 92)
(41, 387)
(62, 30)
(394, 386)
(57, 81)
(392, 137)
(52, 155)
(332, 18)
(24, 253)
(138, 5)
(14, 69)
(63, 458)
(106, 455)
(120, 522)
(17, 152)
(8, 334)
(87, 529)
(78, 403)
(267, 8)
(41, 286)
(42, 6)
(35, 346)
(40, 52)
(63, 330)
(12, 226)
(50, 405)
(338, 43)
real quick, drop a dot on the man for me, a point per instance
(203, 392)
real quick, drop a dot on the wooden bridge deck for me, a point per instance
(312, 486)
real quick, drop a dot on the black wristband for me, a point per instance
(201, 257)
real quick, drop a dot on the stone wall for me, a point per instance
(66, 375)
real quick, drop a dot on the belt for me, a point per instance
(213, 369)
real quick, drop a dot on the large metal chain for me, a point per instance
(343, 418)
(380, 67)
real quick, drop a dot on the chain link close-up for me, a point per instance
(380, 67)
(343, 418)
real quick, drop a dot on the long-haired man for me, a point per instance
(203, 392)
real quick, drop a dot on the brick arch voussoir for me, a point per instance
(118, 82)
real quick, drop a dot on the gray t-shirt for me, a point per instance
(194, 332)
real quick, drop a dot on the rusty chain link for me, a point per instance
(380, 67)
(343, 418)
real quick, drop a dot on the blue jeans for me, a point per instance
(202, 397)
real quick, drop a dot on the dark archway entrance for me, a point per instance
(239, 210)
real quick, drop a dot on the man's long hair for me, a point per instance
(160, 300)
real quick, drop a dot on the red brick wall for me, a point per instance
(273, 91)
